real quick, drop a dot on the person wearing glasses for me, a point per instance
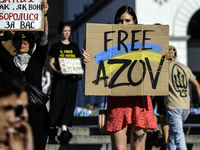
(14, 134)
(27, 66)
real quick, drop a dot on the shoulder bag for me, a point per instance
(37, 99)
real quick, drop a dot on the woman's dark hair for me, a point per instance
(62, 25)
(29, 36)
(9, 85)
(125, 9)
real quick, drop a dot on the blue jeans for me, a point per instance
(175, 119)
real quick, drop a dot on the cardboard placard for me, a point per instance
(127, 60)
(70, 65)
(21, 15)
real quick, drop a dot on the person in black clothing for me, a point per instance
(64, 87)
(27, 65)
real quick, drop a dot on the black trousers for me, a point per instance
(62, 101)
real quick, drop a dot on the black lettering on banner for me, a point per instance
(34, 7)
(4, 7)
(144, 38)
(106, 40)
(133, 39)
(24, 7)
(130, 70)
(26, 25)
(10, 25)
(155, 81)
(121, 42)
(125, 63)
(21, 7)
(101, 68)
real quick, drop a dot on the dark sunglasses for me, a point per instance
(21, 40)
(19, 110)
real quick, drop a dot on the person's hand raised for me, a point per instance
(45, 6)
(85, 57)
(170, 55)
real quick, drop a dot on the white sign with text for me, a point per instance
(71, 66)
(21, 15)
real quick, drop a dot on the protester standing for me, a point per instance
(64, 87)
(178, 101)
(133, 111)
(27, 66)
(124, 111)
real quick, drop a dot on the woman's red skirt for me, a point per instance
(136, 110)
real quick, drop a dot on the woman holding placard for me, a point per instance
(27, 66)
(64, 85)
(135, 112)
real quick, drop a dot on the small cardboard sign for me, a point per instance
(21, 15)
(127, 60)
(70, 66)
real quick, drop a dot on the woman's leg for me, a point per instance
(119, 139)
(137, 138)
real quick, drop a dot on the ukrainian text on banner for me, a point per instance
(127, 60)
(21, 15)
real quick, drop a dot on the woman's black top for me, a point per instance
(33, 72)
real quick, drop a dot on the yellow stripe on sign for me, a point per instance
(153, 57)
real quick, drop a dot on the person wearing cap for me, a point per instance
(178, 101)
(27, 66)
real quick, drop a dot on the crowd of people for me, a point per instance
(23, 127)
